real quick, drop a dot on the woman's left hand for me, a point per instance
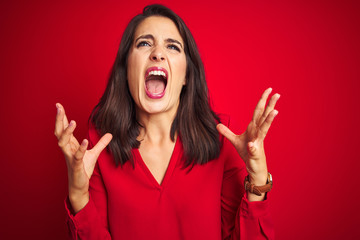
(250, 144)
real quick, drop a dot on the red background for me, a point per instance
(308, 51)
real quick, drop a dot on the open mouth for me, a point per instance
(155, 82)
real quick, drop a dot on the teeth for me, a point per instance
(157, 73)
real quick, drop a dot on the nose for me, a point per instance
(157, 55)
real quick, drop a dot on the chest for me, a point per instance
(187, 201)
(157, 159)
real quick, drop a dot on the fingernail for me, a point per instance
(71, 123)
(83, 143)
(57, 108)
(276, 112)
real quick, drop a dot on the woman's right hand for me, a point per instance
(80, 161)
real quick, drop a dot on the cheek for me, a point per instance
(181, 70)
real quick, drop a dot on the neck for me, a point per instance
(156, 127)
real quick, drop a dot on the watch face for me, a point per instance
(269, 177)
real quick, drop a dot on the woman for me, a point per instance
(177, 179)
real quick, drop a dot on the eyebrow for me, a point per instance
(170, 40)
(149, 36)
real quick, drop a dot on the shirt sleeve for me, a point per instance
(91, 221)
(241, 219)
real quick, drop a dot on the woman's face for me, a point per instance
(156, 66)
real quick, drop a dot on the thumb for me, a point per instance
(251, 148)
(226, 132)
(101, 144)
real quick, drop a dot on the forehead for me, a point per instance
(159, 27)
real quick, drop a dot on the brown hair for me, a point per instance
(195, 122)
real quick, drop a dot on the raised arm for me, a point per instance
(250, 144)
(80, 161)
(246, 216)
(86, 210)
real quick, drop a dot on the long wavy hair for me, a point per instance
(195, 122)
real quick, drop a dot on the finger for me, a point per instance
(101, 145)
(59, 125)
(259, 109)
(61, 121)
(81, 151)
(226, 132)
(264, 128)
(269, 107)
(65, 122)
(66, 135)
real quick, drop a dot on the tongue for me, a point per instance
(155, 86)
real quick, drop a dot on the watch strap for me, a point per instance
(258, 190)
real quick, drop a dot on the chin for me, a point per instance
(158, 106)
(155, 108)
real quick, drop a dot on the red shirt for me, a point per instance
(207, 202)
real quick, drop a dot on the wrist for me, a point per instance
(78, 201)
(252, 197)
(259, 178)
(258, 190)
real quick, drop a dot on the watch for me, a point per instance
(258, 190)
